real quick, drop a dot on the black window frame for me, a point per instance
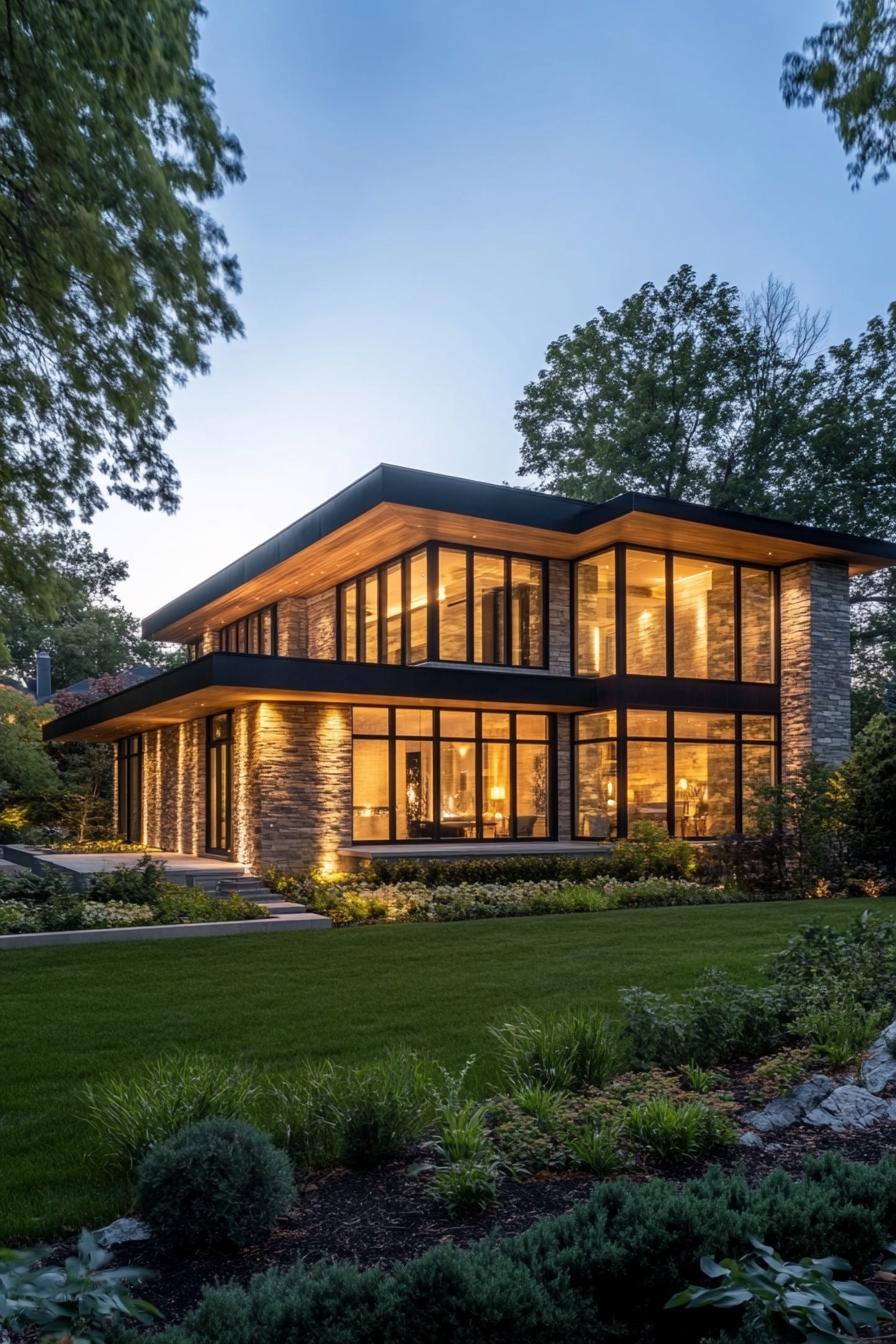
(669, 740)
(193, 649)
(217, 748)
(432, 655)
(240, 632)
(738, 566)
(127, 751)
(477, 739)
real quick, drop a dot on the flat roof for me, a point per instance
(400, 507)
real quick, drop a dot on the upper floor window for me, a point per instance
(650, 613)
(193, 650)
(449, 604)
(256, 633)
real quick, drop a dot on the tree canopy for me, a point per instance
(113, 277)
(692, 391)
(851, 67)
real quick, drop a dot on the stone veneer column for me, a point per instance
(815, 713)
(564, 776)
(559, 626)
(292, 628)
(322, 624)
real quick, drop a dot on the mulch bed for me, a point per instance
(385, 1217)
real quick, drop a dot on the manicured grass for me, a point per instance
(71, 1015)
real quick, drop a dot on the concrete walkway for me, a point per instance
(182, 868)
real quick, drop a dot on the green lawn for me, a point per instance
(70, 1015)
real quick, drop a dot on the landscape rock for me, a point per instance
(849, 1107)
(879, 1067)
(749, 1139)
(786, 1111)
(121, 1232)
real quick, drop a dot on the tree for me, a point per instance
(692, 392)
(27, 775)
(113, 277)
(84, 807)
(851, 67)
(870, 782)
(86, 631)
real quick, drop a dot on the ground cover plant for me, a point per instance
(123, 897)
(435, 989)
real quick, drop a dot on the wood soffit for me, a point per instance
(386, 530)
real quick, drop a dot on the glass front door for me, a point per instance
(130, 788)
(219, 784)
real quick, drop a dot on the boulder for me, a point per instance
(786, 1111)
(121, 1232)
(879, 1067)
(749, 1139)
(849, 1107)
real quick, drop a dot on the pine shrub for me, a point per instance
(217, 1183)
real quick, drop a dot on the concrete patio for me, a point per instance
(187, 869)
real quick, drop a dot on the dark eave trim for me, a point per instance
(387, 484)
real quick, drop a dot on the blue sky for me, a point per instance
(438, 188)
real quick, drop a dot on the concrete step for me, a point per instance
(283, 907)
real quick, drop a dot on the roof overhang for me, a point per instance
(393, 509)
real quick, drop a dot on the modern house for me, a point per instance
(426, 663)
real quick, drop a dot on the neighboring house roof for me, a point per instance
(392, 509)
(131, 676)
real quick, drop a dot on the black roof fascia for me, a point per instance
(411, 487)
(259, 673)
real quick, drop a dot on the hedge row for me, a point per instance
(600, 1273)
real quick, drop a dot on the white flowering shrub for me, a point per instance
(114, 915)
(18, 917)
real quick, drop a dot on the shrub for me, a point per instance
(599, 1273)
(466, 1185)
(650, 851)
(819, 960)
(869, 778)
(565, 1051)
(33, 888)
(18, 917)
(141, 882)
(781, 1072)
(186, 905)
(675, 1134)
(219, 1182)
(114, 915)
(717, 1021)
(379, 1109)
(840, 1029)
(78, 1301)
(130, 1115)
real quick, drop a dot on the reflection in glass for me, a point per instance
(647, 782)
(495, 725)
(457, 723)
(532, 790)
(704, 789)
(647, 723)
(689, 724)
(367, 719)
(596, 615)
(417, 607)
(495, 790)
(370, 789)
(534, 727)
(759, 727)
(370, 631)
(645, 613)
(527, 647)
(457, 803)
(597, 790)
(452, 595)
(599, 724)
(758, 772)
(757, 625)
(489, 609)
(703, 619)
(413, 790)
(393, 614)
(348, 622)
(413, 722)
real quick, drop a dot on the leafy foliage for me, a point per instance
(717, 1021)
(219, 1182)
(114, 277)
(839, 1027)
(869, 785)
(795, 1300)
(466, 1185)
(849, 67)
(675, 1134)
(77, 1302)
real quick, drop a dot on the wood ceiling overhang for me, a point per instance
(394, 509)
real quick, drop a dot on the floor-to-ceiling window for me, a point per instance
(255, 633)
(129, 775)
(677, 616)
(453, 604)
(698, 774)
(219, 783)
(451, 774)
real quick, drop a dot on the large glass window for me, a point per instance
(392, 618)
(645, 613)
(527, 612)
(452, 598)
(255, 633)
(595, 580)
(450, 775)
(678, 769)
(370, 641)
(703, 619)
(418, 606)
(129, 766)
(348, 626)
(219, 783)
(489, 609)
(757, 625)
